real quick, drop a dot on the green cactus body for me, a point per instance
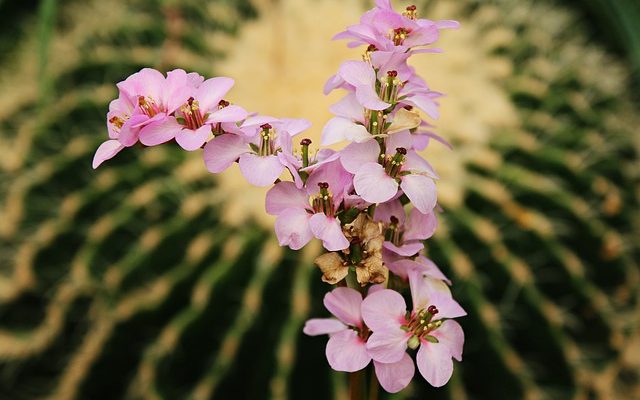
(128, 282)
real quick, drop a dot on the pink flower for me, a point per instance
(387, 30)
(120, 122)
(427, 268)
(359, 77)
(310, 211)
(263, 149)
(403, 235)
(200, 110)
(346, 349)
(203, 112)
(394, 329)
(155, 98)
(378, 182)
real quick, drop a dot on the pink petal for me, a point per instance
(323, 326)
(130, 131)
(423, 36)
(417, 164)
(420, 226)
(388, 346)
(345, 304)
(257, 120)
(399, 139)
(394, 377)
(293, 126)
(384, 310)
(402, 267)
(450, 334)
(329, 231)
(355, 155)
(348, 107)
(385, 211)
(339, 129)
(147, 82)
(373, 184)
(106, 151)
(260, 171)
(285, 195)
(175, 91)
(406, 250)
(368, 97)
(357, 73)
(191, 140)
(425, 103)
(160, 132)
(421, 190)
(292, 228)
(447, 24)
(434, 363)
(222, 151)
(426, 292)
(293, 164)
(346, 352)
(332, 83)
(211, 91)
(230, 113)
(430, 269)
(335, 175)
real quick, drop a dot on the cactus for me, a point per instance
(132, 282)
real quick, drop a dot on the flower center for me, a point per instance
(267, 139)
(398, 35)
(393, 164)
(148, 106)
(411, 12)
(393, 233)
(192, 117)
(117, 122)
(323, 201)
(421, 324)
(389, 87)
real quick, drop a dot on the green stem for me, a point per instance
(373, 386)
(357, 385)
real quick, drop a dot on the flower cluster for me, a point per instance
(372, 204)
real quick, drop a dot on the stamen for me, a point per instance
(411, 12)
(393, 233)
(116, 121)
(323, 201)
(266, 144)
(193, 118)
(394, 163)
(148, 106)
(222, 104)
(305, 151)
(398, 35)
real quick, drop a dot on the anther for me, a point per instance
(401, 150)
(223, 103)
(266, 127)
(305, 142)
(394, 220)
(432, 310)
(392, 74)
(323, 185)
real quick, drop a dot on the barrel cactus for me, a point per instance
(152, 279)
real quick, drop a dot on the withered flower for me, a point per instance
(364, 254)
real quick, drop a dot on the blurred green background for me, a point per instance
(151, 279)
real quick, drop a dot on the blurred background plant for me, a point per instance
(152, 279)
